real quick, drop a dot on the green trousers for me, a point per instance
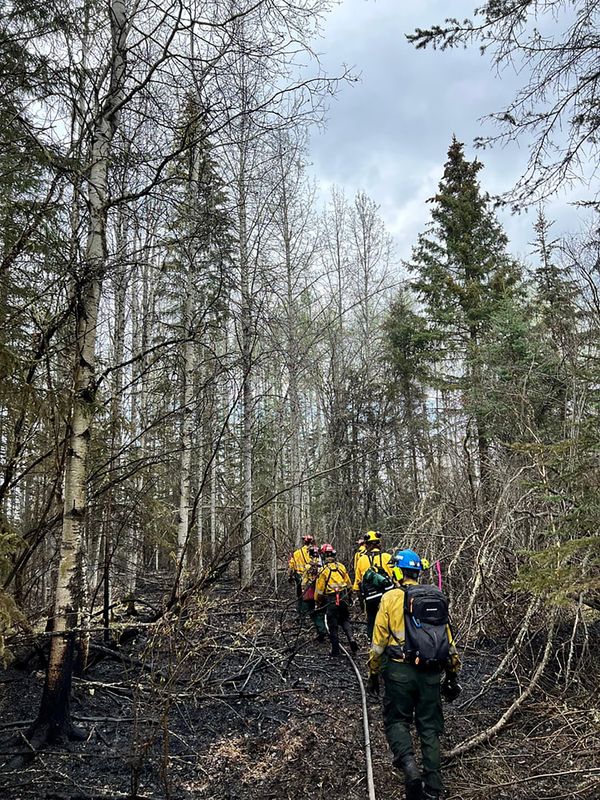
(317, 615)
(414, 695)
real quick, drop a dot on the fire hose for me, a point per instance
(365, 716)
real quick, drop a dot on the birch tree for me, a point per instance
(54, 720)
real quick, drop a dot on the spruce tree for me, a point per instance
(462, 272)
(200, 247)
(408, 352)
(554, 290)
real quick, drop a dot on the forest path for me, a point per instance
(234, 699)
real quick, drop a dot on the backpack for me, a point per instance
(309, 591)
(425, 620)
(375, 581)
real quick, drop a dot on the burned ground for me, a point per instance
(231, 698)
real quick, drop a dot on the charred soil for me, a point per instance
(233, 698)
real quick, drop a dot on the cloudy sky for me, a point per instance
(389, 133)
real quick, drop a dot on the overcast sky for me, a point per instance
(389, 133)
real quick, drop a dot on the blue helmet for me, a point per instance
(408, 559)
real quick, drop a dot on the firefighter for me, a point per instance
(332, 593)
(373, 562)
(360, 549)
(413, 641)
(309, 579)
(298, 561)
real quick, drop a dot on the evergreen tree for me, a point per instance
(408, 351)
(554, 292)
(200, 250)
(462, 273)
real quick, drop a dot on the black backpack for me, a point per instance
(425, 621)
(375, 581)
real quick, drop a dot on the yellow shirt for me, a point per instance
(371, 558)
(362, 549)
(333, 577)
(299, 560)
(389, 631)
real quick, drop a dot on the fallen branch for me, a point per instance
(518, 640)
(17, 723)
(589, 771)
(493, 730)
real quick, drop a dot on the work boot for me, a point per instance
(412, 789)
(334, 653)
(412, 776)
(430, 794)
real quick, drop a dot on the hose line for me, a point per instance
(365, 714)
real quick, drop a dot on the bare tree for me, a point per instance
(555, 45)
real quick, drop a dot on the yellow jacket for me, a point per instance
(362, 549)
(389, 631)
(299, 560)
(372, 558)
(333, 577)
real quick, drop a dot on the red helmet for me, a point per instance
(308, 539)
(327, 549)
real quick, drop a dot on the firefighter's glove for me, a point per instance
(450, 687)
(373, 685)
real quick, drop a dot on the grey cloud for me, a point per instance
(389, 133)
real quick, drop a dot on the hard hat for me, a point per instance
(408, 559)
(308, 539)
(327, 549)
(372, 536)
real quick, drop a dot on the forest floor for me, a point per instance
(233, 699)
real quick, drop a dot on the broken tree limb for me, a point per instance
(493, 730)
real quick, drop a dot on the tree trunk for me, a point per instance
(54, 718)
(187, 428)
(292, 370)
(247, 368)
(201, 475)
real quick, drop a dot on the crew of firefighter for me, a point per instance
(410, 638)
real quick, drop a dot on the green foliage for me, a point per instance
(463, 278)
(201, 237)
(568, 562)
(562, 571)
(522, 388)
(461, 265)
(9, 615)
(8, 362)
(10, 544)
(408, 342)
